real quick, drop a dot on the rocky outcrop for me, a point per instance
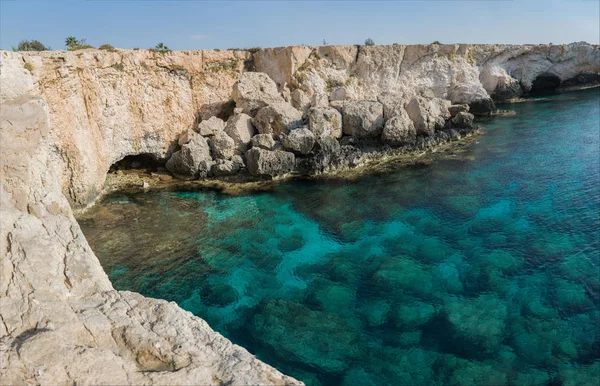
(325, 122)
(399, 130)
(277, 118)
(363, 118)
(255, 90)
(66, 117)
(192, 160)
(428, 115)
(299, 141)
(269, 163)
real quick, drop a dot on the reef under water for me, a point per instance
(481, 271)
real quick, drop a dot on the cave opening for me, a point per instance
(545, 83)
(137, 162)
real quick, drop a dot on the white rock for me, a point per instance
(399, 130)
(325, 122)
(255, 90)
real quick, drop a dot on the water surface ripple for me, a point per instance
(477, 272)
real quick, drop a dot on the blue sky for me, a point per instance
(199, 24)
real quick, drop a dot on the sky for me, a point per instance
(202, 24)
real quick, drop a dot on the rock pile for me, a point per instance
(269, 137)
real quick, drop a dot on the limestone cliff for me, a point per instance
(66, 117)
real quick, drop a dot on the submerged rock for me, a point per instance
(362, 118)
(320, 339)
(271, 163)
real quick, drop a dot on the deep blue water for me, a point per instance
(482, 271)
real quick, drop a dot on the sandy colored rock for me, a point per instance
(278, 118)
(211, 126)
(241, 130)
(222, 146)
(399, 130)
(299, 141)
(255, 90)
(428, 115)
(325, 122)
(362, 118)
(264, 141)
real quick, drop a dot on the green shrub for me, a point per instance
(28, 67)
(436, 42)
(369, 42)
(253, 50)
(74, 44)
(160, 47)
(118, 66)
(31, 45)
(107, 47)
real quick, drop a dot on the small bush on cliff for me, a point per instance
(74, 44)
(160, 47)
(107, 47)
(437, 42)
(369, 42)
(28, 67)
(31, 45)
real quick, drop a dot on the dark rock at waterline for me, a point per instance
(482, 107)
(270, 163)
(584, 79)
(192, 160)
(463, 120)
(505, 92)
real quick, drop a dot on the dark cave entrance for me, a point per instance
(545, 83)
(137, 162)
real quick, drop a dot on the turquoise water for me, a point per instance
(482, 271)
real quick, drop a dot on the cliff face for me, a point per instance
(67, 116)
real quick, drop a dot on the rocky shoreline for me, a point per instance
(68, 117)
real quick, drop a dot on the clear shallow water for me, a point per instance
(463, 272)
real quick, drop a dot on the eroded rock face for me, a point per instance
(455, 109)
(270, 163)
(399, 131)
(463, 120)
(363, 118)
(325, 122)
(241, 130)
(255, 90)
(264, 141)
(278, 118)
(299, 141)
(211, 126)
(193, 160)
(428, 115)
(222, 146)
(62, 322)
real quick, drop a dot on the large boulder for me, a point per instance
(223, 167)
(455, 109)
(299, 141)
(427, 114)
(255, 90)
(362, 118)
(222, 146)
(325, 122)
(393, 104)
(240, 128)
(463, 120)
(399, 130)
(211, 126)
(271, 163)
(300, 100)
(482, 107)
(277, 118)
(192, 160)
(264, 141)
